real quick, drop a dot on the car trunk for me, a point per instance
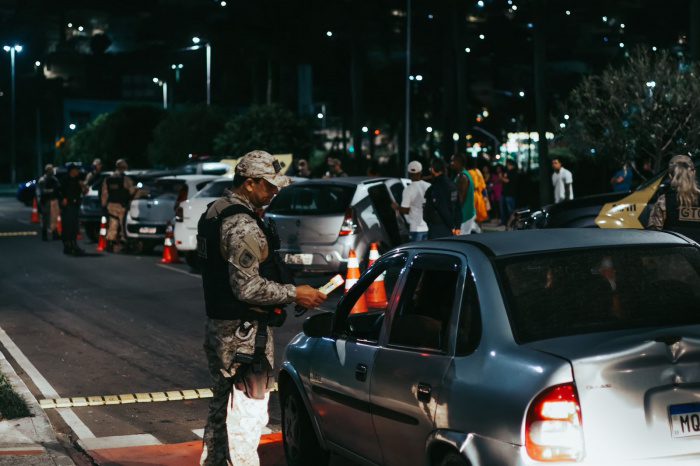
(153, 211)
(310, 214)
(637, 391)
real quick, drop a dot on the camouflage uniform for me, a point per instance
(244, 245)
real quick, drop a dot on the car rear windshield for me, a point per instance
(318, 199)
(572, 293)
(215, 189)
(168, 188)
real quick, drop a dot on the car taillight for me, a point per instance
(348, 226)
(553, 427)
(178, 214)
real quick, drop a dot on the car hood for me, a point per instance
(586, 201)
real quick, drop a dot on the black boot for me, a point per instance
(77, 251)
(55, 235)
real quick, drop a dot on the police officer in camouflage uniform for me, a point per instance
(48, 192)
(243, 283)
(117, 191)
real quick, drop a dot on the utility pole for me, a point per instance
(407, 123)
(540, 65)
(695, 30)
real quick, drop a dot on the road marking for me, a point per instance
(73, 421)
(128, 398)
(119, 441)
(175, 269)
(12, 234)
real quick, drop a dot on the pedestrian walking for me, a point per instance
(117, 191)
(441, 210)
(496, 191)
(562, 182)
(678, 209)
(244, 281)
(48, 195)
(509, 180)
(465, 190)
(412, 202)
(621, 181)
(71, 196)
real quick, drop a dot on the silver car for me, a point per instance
(519, 348)
(319, 221)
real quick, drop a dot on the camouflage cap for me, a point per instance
(260, 164)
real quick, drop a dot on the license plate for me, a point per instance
(148, 230)
(685, 420)
(299, 259)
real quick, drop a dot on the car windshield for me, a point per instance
(165, 188)
(317, 199)
(572, 293)
(215, 189)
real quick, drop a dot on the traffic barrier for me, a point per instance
(376, 293)
(35, 212)
(352, 276)
(102, 242)
(169, 250)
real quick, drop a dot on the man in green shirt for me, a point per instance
(465, 190)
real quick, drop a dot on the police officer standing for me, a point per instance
(243, 284)
(679, 208)
(117, 191)
(441, 211)
(72, 194)
(48, 194)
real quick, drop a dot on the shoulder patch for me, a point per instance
(246, 259)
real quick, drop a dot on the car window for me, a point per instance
(422, 319)
(201, 184)
(215, 189)
(317, 199)
(166, 188)
(364, 321)
(469, 327)
(572, 293)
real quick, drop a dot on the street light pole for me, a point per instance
(208, 51)
(407, 128)
(164, 86)
(13, 110)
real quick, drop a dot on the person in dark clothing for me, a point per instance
(441, 212)
(72, 193)
(48, 193)
(509, 178)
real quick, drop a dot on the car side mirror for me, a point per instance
(319, 325)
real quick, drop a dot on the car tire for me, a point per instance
(454, 459)
(301, 447)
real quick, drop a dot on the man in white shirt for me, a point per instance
(412, 202)
(562, 181)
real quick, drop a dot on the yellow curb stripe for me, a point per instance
(9, 234)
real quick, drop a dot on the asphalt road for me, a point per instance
(109, 324)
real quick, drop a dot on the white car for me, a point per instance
(187, 217)
(148, 217)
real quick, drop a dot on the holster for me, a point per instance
(255, 376)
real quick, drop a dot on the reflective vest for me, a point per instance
(219, 300)
(684, 220)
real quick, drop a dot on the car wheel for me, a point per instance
(192, 259)
(301, 446)
(454, 459)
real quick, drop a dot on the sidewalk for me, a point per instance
(29, 440)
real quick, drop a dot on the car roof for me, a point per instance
(345, 180)
(199, 177)
(550, 240)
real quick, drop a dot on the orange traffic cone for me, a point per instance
(169, 250)
(102, 242)
(352, 276)
(59, 225)
(35, 212)
(376, 293)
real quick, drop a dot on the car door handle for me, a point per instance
(424, 392)
(361, 372)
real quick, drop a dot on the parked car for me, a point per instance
(319, 221)
(516, 348)
(148, 217)
(629, 209)
(187, 216)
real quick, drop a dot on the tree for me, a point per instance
(647, 108)
(271, 128)
(124, 133)
(183, 132)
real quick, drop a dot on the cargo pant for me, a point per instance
(235, 422)
(49, 215)
(115, 231)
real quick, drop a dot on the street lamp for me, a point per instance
(207, 46)
(164, 85)
(177, 67)
(13, 108)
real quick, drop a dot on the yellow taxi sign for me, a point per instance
(625, 213)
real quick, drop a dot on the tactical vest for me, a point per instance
(116, 191)
(684, 220)
(49, 189)
(219, 299)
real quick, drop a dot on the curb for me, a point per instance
(44, 436)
